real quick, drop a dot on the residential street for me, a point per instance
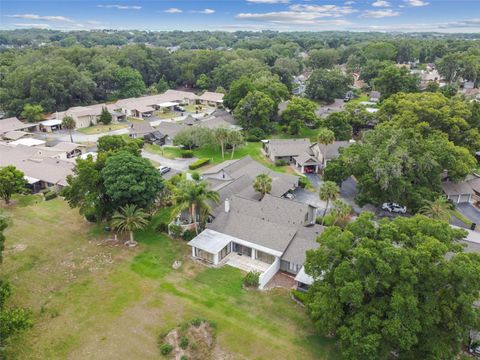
(175, 164)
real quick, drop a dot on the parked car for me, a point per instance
(289, 196)
(164, 169)
(309, 169)
(394, 208)
(179, 108)
(147, 115)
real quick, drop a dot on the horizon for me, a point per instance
(393, 16)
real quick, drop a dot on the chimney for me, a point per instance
(227, 205)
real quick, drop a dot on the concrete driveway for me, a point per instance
(176, 164)
(470, 211)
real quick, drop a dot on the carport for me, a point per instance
(307, 163)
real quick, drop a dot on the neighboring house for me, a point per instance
(170, 129)
(13, 124)
(69, 149)
(374, 96)
(265, 236)
(219, 118)
(464, 191)
(50, 125)
(211, 99)
(27, 141)
(85, 116)
(144, 130)
(16, 135)
(190, 121)
(40, 168)
(307, 157)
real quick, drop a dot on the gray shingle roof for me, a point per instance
(451, 188)
(170, 129)
(305, 239)
(288, 147)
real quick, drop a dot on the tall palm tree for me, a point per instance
(325, 137)
(263, 185)
(129, 218)
(222, 135)
(340, 211)
(329, 191)
(235, 138)
(69, 124)
(438, 209)
(195, 197)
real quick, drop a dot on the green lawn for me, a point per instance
(89, 297)
(98, 129)
(215, 155)
(165, 115)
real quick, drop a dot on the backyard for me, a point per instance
(94, 299)
(98, 129)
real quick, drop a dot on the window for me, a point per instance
(204, 255)
(269, 259)
(224, 252)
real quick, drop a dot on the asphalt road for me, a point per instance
(176, 164)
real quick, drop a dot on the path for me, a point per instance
(176, 164)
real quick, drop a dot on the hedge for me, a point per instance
(49, 195)
(186, 153)
(199, 163)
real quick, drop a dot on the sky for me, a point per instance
(231, 15)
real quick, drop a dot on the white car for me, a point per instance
(289, 196)
(164, 169)
(394, 208)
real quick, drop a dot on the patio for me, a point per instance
(244, 263)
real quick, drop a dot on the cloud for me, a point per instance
(381, 3)
(378, 14)
(348, 3)
(204, 11)
(269, 1)
(41, 17)
(416, 3)
(32, 26)
(173, 11)
(473, 25)
(120, 7)
(324, 10)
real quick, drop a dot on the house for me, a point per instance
(13, 124)
(266, 236)
(85, 116)
(40, 168)
(464, 191)
(285, 149)
(374, 96)
(69, 149)
(145, 131)
(190, 121)
(325, 153)
(219, 118)
(211, 99)
(50, 125)
(170, 129)
(27, 141)
(16, 135)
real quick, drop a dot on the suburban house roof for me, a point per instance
(287, 147)
(212, 96)
(190, 120)
(333, 150)
(211, 241)
(461, 188)
(170, 129)
(66, 146)
(15, 134)
(28, 142)
(306, 159)
(305, 239)
(13, 123)
(146, 103)
(141, 128)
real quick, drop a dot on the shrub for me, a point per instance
(199, 163)
(184, 342)
(162, 227)
(256, 134)
(280, 162)
(166, 349)
(299, 295)
(251, 279)
(186, 153)
(302, 181)
(175, 230)
(195, 176)
(327, 222)
(49, 195)
(188, 235)
(197, 322)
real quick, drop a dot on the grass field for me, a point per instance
(98, 129)
(93, 300)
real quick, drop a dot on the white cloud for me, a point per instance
(269, 1)
(324, 10)
(378, 14)
(348, 3)
(381, 3)
(120, 7)
(41, 17)
(204, 11)
(173, 11)
(416, 3)
(32, 26)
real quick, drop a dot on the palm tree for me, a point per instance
(340, 211)
(195, 197)
(328, 192)
(325, 137)
(69, 124)
(263, 184)
(438, 209)
(129, 218)
(235, 138)
(222, 135)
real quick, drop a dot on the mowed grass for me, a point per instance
(93, 300)
(98, 129)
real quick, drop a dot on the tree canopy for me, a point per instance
(327, 85)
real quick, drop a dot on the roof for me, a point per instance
(141, 128)
(145, 103)
(52, 122)
(28, 142)
(303, 278)
(333, 150)
(167, 104)
(288, 147)
(13, 123)
(169, 128)
(190, 120)
(451, 188)
(306, 158)
(212, 96)
(211, 241)
(15, 135)
(66, 146)
(305, 239)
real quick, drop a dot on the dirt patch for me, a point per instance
(15, 249)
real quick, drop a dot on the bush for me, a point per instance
(251, 279)
(256, 134)
(199, 163)
(184, 342)
(280, 162)
(299, 295)
(186, 153)
(188, 235)
(197, 322)
(166, 349)
(175, 230)
(328, 220)
(195, 176)
(162, 227)
(49, 195)
(302, 182)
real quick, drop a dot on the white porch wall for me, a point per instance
(264, 278)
